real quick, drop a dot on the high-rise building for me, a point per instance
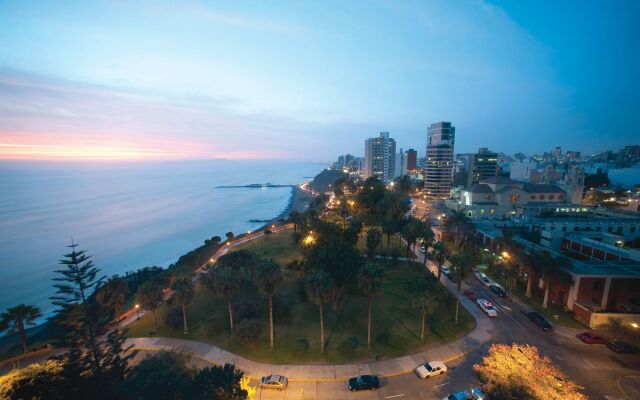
(438, 172)
(412, 160)
(482, 165)
(380, 157)
(401, 164)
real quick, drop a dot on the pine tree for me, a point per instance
(95, 357)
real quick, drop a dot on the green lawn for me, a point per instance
(296, 319)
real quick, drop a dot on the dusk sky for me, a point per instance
(311, 80)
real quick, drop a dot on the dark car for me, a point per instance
(497, 289)
(363, 382)
(591, 338)
(539, 320)
(622, 347)
(470, 294)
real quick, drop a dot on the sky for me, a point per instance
(310, 80)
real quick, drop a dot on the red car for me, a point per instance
(591, 338)
(469, 293)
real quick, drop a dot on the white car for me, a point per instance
(430, 369)
(445, 270)
(277, 382)
(485, 281)
(487, 307)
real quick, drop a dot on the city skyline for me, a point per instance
(293, 81)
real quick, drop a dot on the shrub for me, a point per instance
(173, 318)
(348, 346)
(247, 308)
(248, 330)
(295, 265)
(300, 346)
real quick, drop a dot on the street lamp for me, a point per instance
(635, 325)
(505, 254)
(138, 310)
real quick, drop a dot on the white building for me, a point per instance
(380, 157)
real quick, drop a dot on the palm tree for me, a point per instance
(389, 228)
(183, 294)
(427, 239)
(150, 297)
(411, 232)
(319, 286)
(439, 255)
(460, 226)
(269, 278)
(461, 265)
(426, 301)
(15, 320)
(369, 278)
(224, 283)
(373, 240)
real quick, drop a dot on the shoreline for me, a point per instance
(299, 201)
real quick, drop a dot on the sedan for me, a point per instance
(363, 382)
(497, 289)
(539, 320)
(591, 338)
(487, 307)
(432, 368)
(278, 382)
(445, 270)
(622, 347)
(470, 294)
(476, 394)
(485, 281)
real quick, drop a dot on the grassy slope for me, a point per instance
(392, 314)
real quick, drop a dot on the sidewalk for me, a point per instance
(322, 372)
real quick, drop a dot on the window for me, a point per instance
(609, 229)
(515, 198)
(542, 197)
(596, 285)
(598, 229)
(632, 229)
(564, 229)
(533, 197)
(550, 197)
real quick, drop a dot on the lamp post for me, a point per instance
(138, 310)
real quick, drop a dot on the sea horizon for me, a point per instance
(127, 215)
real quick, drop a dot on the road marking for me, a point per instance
(442, 384)
(397, 395)
(588, 363)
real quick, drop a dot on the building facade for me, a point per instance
(438, 171)
(380, 157)
(412, 160)
(482, 165)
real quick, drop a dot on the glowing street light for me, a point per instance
(138, 310)
(635, 325)
(505, 254)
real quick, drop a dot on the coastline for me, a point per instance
(299, 201)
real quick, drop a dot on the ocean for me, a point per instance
(126, 215)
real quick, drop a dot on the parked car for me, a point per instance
(622, 347)
(478, 274)
(591, 338)
(475, 394)
(278, 382)
(452, 277)
(497, 289)
(470, 294)
(485, 281)
(539, 320)
(363, 382)
(487, 307)
(431, 368)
